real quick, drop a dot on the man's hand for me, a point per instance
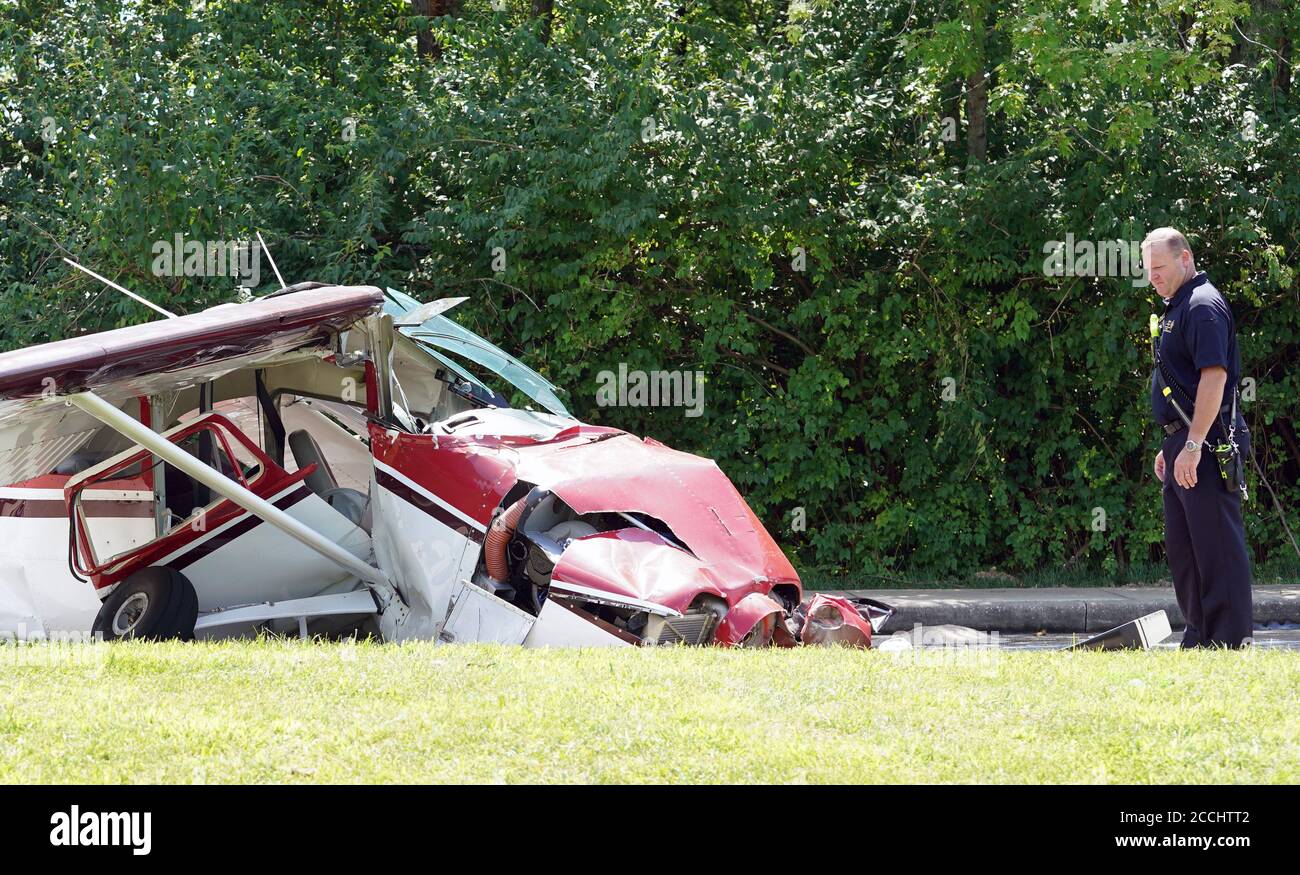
(1209, 395)
(1160, 465)
(1185, 468)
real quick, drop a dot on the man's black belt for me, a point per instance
(1178, 425)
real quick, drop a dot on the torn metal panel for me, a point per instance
(1140, 634)
(830, 620)
(425, 312)
(637, 565)
(688, 493)
(561, 625)
(874, 612)
(477, 615)
(751, 622)
(424, 545)
(595, 471)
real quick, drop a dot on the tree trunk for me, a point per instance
(425, 44)
(977, 103)
(1282, 74)
(950, 132)
(545, 10)
(1185, 22)
(977, 94)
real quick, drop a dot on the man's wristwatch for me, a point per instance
(1192, 447)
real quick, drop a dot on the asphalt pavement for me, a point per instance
(1269, 639)
(1057, 610)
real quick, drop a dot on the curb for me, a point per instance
(1056, 609)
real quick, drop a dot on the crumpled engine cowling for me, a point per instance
(828, 620)
(758, 620)
(650, 584)
(755, 621)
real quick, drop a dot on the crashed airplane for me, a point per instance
(340, 460)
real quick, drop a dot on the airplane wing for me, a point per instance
(39, 430)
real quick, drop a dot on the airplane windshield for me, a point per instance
(440, 334)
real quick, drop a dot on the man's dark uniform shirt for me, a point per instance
(1196, 331)
(1205, 540)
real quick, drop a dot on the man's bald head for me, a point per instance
(1172, 239)
(1168, 259)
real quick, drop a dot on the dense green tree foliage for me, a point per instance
(838, 212)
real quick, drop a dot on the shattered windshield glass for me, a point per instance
(440, 333)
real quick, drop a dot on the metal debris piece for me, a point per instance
(1140, 634)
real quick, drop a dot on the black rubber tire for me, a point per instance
(171, 607)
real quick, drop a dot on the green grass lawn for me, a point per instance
(289, 711)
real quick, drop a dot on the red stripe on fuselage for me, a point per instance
(54, 508)
(458, 471)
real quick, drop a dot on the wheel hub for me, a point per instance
(129, 613)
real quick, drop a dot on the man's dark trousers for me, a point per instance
(1205, 541)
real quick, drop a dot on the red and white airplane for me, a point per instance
(341, 459)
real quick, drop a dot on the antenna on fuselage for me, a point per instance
(270, 259)
(130, 294)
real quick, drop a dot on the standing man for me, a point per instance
(1197, 358)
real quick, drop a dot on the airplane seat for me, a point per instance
(352, 503)
(183, 493)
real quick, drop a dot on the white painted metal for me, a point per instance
(37, 596)
(1155, 628)
(183, 461)
(270, 259)
(557, 626)
(478, 616)
(348, 457)
(338, 604)
(33, 493)
(111, 536)
(264, 564)
(37, 590)
(427, 556)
